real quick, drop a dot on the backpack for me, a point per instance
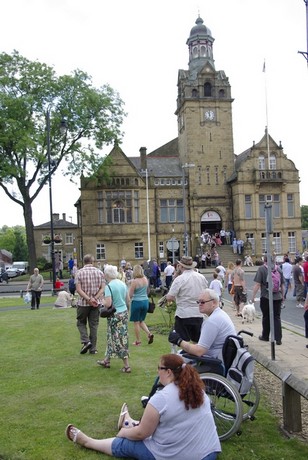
(276, 279)
(241, 370)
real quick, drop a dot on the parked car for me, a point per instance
(18, 268)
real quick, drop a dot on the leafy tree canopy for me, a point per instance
(304, 213)
(30, 95)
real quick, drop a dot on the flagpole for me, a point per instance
(266, 115)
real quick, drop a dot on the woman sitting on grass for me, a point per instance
(177, 422)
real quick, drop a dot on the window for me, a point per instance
(221, 94)
(171, 210)
(272, 164)
(138, 250)
(194, 93)
(274, 199)
(261, 162)
(69, 238)
(261, 206)
(291, 242)
(276, 205)
(199, 175)
(290, 204)
(277, 242)
(100, 251)
(100, 207)
(248, 207)
(216, 175)
(208, 175)
(207, 89)
(119, 207)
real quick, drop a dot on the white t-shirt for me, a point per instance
(181, 434)
(217, 286)
(214, 331)
(169, 270)
(186, 289)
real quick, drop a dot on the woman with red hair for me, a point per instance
(177, 422)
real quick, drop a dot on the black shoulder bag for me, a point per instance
(105, 312)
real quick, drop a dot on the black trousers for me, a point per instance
(264, 306)
(188, 328)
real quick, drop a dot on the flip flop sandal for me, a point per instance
(72, 433)
(104, 363)
(123, 411)
(129, 423)
(150, 338)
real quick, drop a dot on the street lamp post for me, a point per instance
(52, 243)
(185, 166)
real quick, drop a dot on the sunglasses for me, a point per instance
(203, 301)
(161, 368)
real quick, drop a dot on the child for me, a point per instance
(217, 286)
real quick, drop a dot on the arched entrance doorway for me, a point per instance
(211, 222)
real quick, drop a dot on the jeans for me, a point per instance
(287, 285)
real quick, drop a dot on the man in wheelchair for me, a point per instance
(216, 327)
(214, 330)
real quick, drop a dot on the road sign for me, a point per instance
(172, 244)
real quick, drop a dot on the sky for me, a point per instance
(138, 46)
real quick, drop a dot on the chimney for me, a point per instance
(63, 216)
(143, 157)
(56, 217)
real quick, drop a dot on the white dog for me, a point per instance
(248, 313)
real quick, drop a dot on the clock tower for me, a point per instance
(205, 134)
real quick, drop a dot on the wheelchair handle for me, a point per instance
(245, 332)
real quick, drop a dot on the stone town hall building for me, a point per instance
(194, 183)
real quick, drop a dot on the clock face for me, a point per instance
(209, 115)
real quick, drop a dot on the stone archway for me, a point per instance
(210, 222)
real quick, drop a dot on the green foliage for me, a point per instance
(43, 264)
(13, 239)
(33, 97)
(304, 214)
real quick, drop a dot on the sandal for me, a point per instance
(150, 338)
(104, 363)
(137, 343)
(126, 370)
(72, 433)
(124, 411)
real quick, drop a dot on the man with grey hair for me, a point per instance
(90, 287)
(214, 330)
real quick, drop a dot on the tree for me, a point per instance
(304, 213)
(13, 239)
(30, 94)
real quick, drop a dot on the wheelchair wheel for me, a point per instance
(251, 402)
(226, 404)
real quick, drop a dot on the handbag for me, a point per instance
(107, 312)
(151, 306)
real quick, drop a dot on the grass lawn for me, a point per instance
(46, 384)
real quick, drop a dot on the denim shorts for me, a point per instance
(122, 448)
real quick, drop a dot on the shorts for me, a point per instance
(239, 296)
(123, 448)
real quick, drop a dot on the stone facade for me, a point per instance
(69, 240)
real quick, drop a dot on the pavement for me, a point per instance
(288, 361)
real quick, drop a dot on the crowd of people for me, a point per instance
(200, 328)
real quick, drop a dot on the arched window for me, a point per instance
(207, 89)
(261, 162)
(221, 94)
(194, 93)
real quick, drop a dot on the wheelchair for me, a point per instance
(229, 407)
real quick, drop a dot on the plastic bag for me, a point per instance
(27, 297)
